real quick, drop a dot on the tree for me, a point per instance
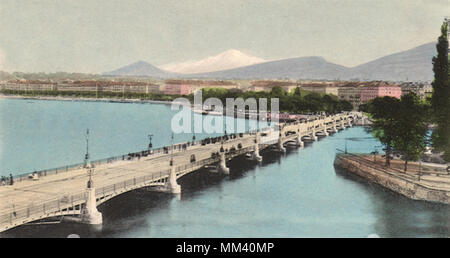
(410, 128)
(441, 95)
(363, 108)
(298, 92)
(277, 92)
(384, 112)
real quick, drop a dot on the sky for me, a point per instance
(95, 36)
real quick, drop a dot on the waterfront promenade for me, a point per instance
(65, 193)
(419, 182)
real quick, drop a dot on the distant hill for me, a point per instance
(410, 65)
(293, 68)
(4, 76)
(141, 68)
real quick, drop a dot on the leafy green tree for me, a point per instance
(410, 128)
(345, 105)
(277, 92)
(298, 92)
(363, 108)
(384, 112)
(441, 95)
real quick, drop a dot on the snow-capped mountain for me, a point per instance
(226, 60)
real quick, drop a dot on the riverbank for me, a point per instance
(420, 182)
(85, 99)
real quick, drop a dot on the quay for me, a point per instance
(420, 182)
(75, 192)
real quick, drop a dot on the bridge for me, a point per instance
(74, 192)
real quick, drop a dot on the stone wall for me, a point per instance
(411, 186)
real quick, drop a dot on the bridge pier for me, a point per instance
(281, 148)
(89, 213)
(299, 141)
(313, 136)
(334, 128)
(255, 154)
(222, 166)
(171, 185)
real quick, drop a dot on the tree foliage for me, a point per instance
(298, 101)
(384, 112)
(400, 125)
(411, 128)
(441, 95)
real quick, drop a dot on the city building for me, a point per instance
(368, 93)
(177, 89)
(350, 93)
(360, 93)
(267, 86)
(195, 85)
(323, 89)
(420, 89)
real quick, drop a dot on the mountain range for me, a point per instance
(410, 65)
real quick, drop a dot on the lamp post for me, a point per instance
(89, 167)
(86, 156)
(345, 146)
(150, 145)
(89, 212)
(171, 154)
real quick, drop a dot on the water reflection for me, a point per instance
(399, 216)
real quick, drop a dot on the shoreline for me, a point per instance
(426, 184)
(81, 99)
(107, 100)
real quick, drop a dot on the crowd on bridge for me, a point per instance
(5, 181)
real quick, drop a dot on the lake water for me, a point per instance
(297, 194)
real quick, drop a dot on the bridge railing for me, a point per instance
(129, 156)
(211, 160)
(17, 215)
(130, 183)
(36, 210)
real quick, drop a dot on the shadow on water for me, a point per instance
(399, 216)
(197, 182)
